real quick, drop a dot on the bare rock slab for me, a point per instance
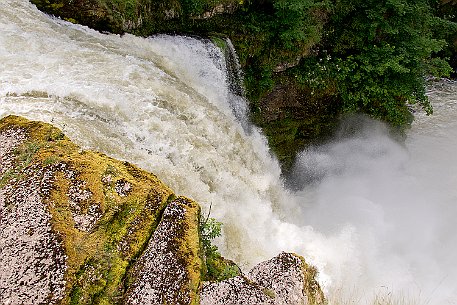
(169, 270)
(32, 258)
(235, 291)
(283, 280)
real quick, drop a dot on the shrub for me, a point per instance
(217, 267)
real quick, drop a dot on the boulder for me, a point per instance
(169, 270)
(291, 279)
(73, 222)
(283, 280)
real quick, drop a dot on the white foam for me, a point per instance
(372, 215)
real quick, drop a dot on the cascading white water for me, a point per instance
(377, 217)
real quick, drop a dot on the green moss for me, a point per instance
(219, 42)
(219, 269)
(189, 246)
(50, 160)
(26, 152)
(7, 176)
(24, 155)
(72, 20)
(311, 286)
(98, 258)
(56, 6)
(75, 295)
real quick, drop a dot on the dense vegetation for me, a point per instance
(305, 61)
(366, 56)
(380, 57)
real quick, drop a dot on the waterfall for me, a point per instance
(376, 218)
(237, 98)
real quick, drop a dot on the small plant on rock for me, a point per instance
(217, 267)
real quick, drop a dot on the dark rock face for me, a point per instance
(293, 117)
(135, 16)
(283, 280)
(169, 270)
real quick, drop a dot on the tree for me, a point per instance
(377, 54)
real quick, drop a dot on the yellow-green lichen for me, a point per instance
(125, 203)
(190, 247)
(311, 287)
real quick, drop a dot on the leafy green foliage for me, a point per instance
(372, 55)
(210, 229)
(274, 34)
(445, 13)
(217, 267)
(380, 57)
(296, 22)
(194, 7)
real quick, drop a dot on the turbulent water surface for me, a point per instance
(375, 217)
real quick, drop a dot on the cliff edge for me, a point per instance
(78, 227)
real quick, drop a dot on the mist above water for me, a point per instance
(375, 216)
(398, 200)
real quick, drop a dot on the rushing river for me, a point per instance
(376, 217)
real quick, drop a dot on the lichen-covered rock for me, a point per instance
(235, 291)
(72, 222)
(283, 280)
(77, 227)
(10, 139)
(169, 270)
(290, 277)
(32, 259)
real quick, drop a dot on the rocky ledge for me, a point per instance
(78, 227)
(283, 280)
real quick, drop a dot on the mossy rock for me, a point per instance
(103, 211)
(79, 227)
(170, 268)
(284, 279)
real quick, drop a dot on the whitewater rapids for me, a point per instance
(375, 217)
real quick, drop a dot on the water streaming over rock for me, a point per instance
(373, 215)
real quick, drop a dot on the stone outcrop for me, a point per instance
(72, 222)
(283, 280)
(290, 278)
(32, 258)
(169, 270)
(78, 227)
